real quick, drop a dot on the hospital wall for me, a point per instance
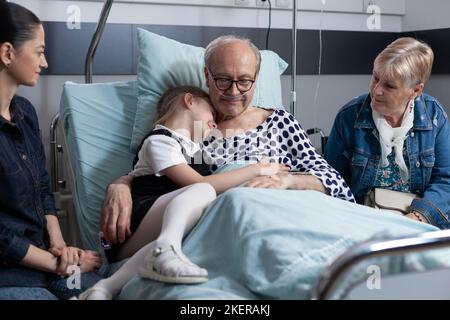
(344, 73)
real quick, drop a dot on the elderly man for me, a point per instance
(246, 133)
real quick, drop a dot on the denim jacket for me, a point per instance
(354, 150)
(25, 196)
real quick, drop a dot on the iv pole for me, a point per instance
(294, 59)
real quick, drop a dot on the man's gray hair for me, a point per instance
(220, 41)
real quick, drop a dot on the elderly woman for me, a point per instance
(396, 137)
(245, 133)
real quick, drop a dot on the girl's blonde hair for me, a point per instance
(170, 101)
(408, 59)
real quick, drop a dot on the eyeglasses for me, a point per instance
(224, 84)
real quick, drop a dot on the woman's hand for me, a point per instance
(86, 260)
(416, 216)
(56, 244)
(67, 256)
(282, 180)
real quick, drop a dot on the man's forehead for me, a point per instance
(233, 64)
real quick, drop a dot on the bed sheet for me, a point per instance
(274, 244)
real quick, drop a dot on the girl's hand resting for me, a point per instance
(90, 261)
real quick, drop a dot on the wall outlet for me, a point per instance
(242, 3)
(262, 4)
(283, 4)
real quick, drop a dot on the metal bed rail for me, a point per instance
(96, 39)
(63, 196)
(56, 149)
(294, 59)
(375, 248)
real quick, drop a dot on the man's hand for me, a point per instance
(116, 210)
(278, 181)
(267, 168)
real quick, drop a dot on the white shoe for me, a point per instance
(169, 265)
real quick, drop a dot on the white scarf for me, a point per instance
(394, 138)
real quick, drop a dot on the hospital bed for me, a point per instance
(255, 243)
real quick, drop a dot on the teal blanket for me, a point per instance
(274, 244)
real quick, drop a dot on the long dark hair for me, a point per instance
(17, 24)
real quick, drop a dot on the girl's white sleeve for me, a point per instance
(162, 152)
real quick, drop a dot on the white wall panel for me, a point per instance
(426, 15)
(144, 12)
(397, 7)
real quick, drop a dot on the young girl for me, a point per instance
(170, 190)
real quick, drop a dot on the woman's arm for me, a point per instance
(42, 260)
(54, 232)
(48, 202)
(416, 216)
(13, 248)
(434, 205)
(184, 175)
(39, 259)
(334, 152)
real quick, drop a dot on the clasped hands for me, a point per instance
(272, 175)
(86, 260)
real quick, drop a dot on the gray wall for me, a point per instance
(426, 15)
(321, 97)
(438, 86)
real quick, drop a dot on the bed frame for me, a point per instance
(395, 287)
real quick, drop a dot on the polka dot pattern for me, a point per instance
(282, 139)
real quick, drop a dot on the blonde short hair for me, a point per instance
(408, 59)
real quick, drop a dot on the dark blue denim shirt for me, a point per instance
(354, 150)
(25, 196)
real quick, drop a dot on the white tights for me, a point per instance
(170, 218)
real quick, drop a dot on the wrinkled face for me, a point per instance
(389, 96)
(234, 61)
(204, 115)
(29, 59)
